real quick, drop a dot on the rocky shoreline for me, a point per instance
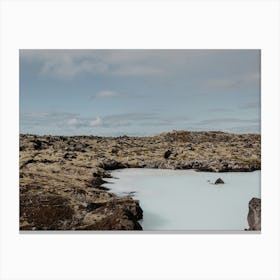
(61, 177)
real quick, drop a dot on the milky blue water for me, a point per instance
(186, 199)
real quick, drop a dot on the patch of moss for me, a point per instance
(45, 211)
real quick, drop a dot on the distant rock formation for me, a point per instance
(254, 215)
(219, 181)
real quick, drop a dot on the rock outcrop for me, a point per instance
(219, 181)
(61, 177)
(254, 215)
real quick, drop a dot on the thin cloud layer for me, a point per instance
(227, 120)
(62, 119)
(138, 92)
(233, 82)
(72, 63)
(79, 122)
(109, 94)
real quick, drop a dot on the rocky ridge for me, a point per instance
(61, 177)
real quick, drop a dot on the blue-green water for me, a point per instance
(187, 200)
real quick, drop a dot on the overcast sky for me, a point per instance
(138, 92)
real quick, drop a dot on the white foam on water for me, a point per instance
(186, 200)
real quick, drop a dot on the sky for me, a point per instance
(138, 92)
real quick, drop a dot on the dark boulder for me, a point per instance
(219, 181)
(111, 164)
(96, 182)
(114, 150)
(70, 155)
(120, 215)
(167, 154)
(79, 147)
(22, 148)
(93, 206)
(37, 144)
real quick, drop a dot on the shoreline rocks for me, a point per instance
(61, 177)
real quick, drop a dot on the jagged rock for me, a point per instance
(96, 182)
(118, 220)
(254, 215)
(111, 165)
(21, 148)
(120, 214)
(219, 181)
(37, 144)
(114, 150)
(93, 206)
(70, 156)
(167, 154)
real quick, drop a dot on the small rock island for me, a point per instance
(61, 177)
(219, 181)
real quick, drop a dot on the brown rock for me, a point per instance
(43, 211)
(254, 215)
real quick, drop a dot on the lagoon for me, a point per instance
(188, 200)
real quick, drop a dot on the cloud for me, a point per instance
(58, 119)
(250, 105)
(82, 122)
(66, 121)
(136, 70)
(109, 94)
(46, 118)
(97, 122)
(246, 79)
(67, 68)
(143, 119)
(220, 110)
(150, 62)
(64, 63)
(110, 121)
(68, 64)
(254, 128)
(221, 83)
(130, 116)
(173, 65)
(127, 119)
(226, 120)
(71, 63)
(113, 121)
(234, 125)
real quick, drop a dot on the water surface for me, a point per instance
(186, 199)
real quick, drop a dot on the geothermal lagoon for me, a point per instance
(188, 200)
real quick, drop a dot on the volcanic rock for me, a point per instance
(254, 215)
(167, 154)
(219, 181)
